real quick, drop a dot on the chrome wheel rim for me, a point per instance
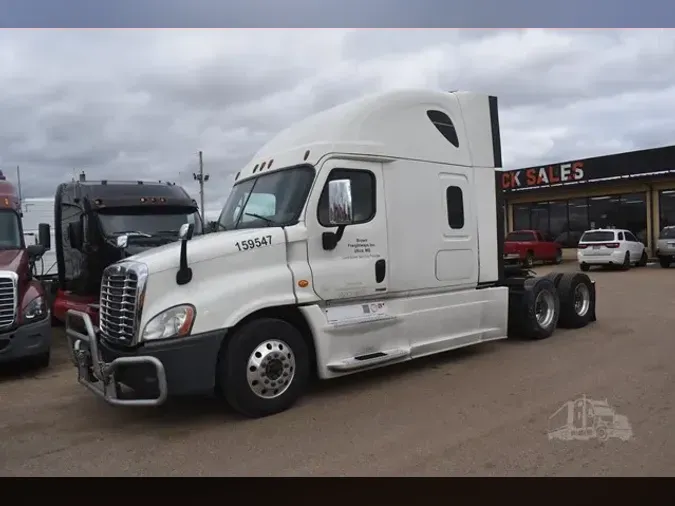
(582, 299)
(270, 369)
(544, 308)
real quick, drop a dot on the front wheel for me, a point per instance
(264, 368)
(558, 257)
(529, 260)
(585, 267)
(664, 262)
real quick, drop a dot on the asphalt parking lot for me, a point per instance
(479, 411)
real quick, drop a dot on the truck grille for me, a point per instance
(118, 305)
(7, 301)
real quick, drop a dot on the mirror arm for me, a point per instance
(184, 274)
(330, 240)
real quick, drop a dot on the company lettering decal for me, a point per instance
(543, 176)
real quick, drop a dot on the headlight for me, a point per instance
(36, 309)
(173, 322)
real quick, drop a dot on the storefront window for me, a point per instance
(566, 220)
(603, 211)
(558, 218)
(539, 218)
(632, 215)
(667, 208)
(521, 217)
(578, 222)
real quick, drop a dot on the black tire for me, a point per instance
(626, 262)
(664, 262)
(558, 257)
(643, 260)
(234, 362)
(555, 277)
(585, 267)
(529, 260)
(577, 300)
(527, 325)
(602, 434)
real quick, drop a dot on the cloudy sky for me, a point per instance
(142, 103)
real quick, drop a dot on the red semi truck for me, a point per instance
(25, 330)
(529, 246)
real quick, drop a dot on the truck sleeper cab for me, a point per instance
(366, 235)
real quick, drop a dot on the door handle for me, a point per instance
(380, 270)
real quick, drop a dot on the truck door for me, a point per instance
(358, 266)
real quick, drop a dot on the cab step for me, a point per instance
(369, 360)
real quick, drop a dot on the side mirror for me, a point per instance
(340, 212)
(186, 231)
(35, 251)
(75, 235)
(184, 274)
(44, 236)
(122, 241)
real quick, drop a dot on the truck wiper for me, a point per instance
(133, 233)
(266, 220)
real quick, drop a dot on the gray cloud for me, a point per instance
(141, 104)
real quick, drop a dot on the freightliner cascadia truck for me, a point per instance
(366, 235)
(25, 330)
(100, 222)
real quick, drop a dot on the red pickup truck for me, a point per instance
(529, 246)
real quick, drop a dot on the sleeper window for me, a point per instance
(455, 204)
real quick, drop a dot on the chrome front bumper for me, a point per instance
(99, 376)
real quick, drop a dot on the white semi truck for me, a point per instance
(363, 236)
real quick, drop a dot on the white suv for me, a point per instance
(610, 246)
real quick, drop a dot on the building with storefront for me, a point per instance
(633, 190)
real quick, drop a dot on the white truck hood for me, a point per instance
(209, 246)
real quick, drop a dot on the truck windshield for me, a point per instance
(274, 199)
(117, 221)
(10, 230)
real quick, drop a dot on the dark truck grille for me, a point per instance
(119, 301)
(7, 302)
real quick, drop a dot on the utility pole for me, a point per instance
(201, 178)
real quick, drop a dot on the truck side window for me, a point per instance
(455, 202)
(363, 195)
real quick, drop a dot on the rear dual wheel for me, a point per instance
(557, 299)
(539, 310)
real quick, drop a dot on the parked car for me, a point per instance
(614, 247)
(665, 247)
(531, 246)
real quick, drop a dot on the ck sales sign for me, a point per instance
(543, 176)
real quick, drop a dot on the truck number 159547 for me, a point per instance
(256, 242)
